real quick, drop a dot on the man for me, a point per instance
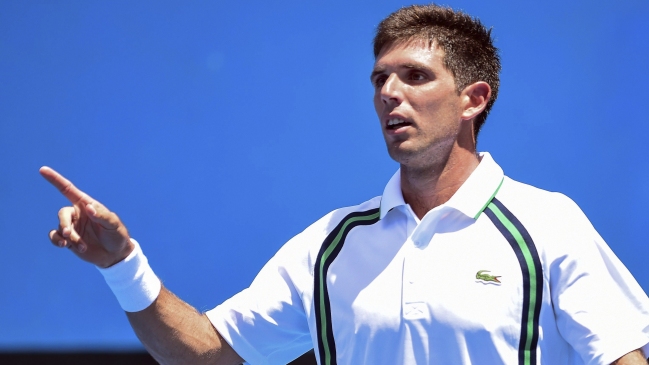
(454, 264)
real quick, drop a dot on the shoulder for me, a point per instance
(532, 201)
(561, 232)
(303, 248)
(552, 219)
(320, 229)
(295, 260)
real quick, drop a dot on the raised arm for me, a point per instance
(170, 329)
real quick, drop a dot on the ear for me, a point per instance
(474, 99)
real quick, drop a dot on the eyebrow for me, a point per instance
(417, 66)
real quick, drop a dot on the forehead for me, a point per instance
(413, 52)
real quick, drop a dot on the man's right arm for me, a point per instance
(170, 329)
(175, 333)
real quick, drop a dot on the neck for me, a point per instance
(426, 188)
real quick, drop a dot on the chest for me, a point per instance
(458, 282)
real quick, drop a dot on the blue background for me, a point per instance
(218, 130)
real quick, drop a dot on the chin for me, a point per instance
(401, 155)
(417, 158)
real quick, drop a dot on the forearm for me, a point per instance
(175, 333)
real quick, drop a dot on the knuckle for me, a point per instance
(75, 238)
(113, 218)
(67, 188)
(65, 211)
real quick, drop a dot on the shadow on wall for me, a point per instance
(102, 358)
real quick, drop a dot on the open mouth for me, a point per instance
(396, 123)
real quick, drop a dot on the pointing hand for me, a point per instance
(88, 228)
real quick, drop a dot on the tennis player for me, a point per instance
(454, 264)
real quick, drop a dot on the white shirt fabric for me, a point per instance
(405, 291)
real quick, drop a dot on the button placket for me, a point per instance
(414, 304)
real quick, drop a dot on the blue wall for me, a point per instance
(219, 130)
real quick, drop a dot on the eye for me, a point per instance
(417, 76)
(379, 81)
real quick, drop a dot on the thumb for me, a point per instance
(99, 214)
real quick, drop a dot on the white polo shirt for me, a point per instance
(503, 273)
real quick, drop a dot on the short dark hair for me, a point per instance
(469, 53)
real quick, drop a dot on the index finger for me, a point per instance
(74, 195)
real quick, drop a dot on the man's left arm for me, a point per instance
(632, 358)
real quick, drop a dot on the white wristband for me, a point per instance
(133, 281)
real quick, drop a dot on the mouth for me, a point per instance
(396, 123)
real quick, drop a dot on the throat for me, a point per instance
(425, 189)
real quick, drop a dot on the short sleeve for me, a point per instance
(599, 307)
(266, 323)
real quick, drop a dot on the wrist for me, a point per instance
(129, 247)
(132, 280)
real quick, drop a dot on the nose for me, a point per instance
(391, 90)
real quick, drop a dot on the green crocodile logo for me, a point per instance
(480, 275)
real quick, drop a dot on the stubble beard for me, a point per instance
(424, 159)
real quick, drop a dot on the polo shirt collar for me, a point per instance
(392, 196)
(470, 199)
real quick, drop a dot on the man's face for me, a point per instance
(417, 104)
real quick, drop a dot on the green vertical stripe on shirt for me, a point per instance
(328, 252)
